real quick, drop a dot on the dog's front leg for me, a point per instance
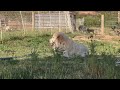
(65, 54)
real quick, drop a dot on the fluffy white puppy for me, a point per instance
(68, 47)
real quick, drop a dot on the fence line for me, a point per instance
(23, 23)
(58, 20)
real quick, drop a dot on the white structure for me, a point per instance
(53, 19)
(79, 21)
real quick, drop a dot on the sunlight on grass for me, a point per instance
(37, 60)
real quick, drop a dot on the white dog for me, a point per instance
(69, 48)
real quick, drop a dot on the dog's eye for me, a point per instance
(52, 43)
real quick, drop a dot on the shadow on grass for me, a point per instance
(57, 67)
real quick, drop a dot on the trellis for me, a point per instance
(112, 18)
(53, 20)
(35, 20)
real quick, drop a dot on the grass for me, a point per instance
(39, 62)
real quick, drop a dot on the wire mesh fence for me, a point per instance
(111, 18)
(27, 21)
(89, 22)
(111, 21)
(13, 19)
(34, 19)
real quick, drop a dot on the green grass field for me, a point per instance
(37, 60)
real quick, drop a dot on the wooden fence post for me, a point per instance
(66, 25)
(50, 23)
(33, 22)
(69, 21)
(102, 24)
(22, 22)
(1, 36)
(59, 22)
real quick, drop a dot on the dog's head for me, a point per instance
(58, 39)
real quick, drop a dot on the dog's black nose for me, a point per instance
(51, 44)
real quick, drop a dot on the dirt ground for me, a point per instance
(104, 38)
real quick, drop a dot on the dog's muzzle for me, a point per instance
(52, 44)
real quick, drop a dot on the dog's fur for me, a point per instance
(69, 48)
